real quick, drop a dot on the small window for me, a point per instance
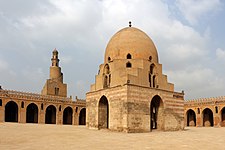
(128, 65)
(128, 56)
(216, 109)
(56, 91)
(42, 106)
(150, 58)
(152, 68)
(0, 102)
(109, 59)
(198, 111)
(22, 104)
(76, 109)
(59, 107)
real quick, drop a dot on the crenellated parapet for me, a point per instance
(205, 101)
(34, 96)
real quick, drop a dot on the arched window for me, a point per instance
(198, 110)
(105, 84)
(216, 109)
(128, 65)
(22, 104)
(109, 59)
(150, 58)
(42, 106)
(154, 81)
(56, 91)
(129, 56)
(0, 102)
(59, 107)
(106, 69)
(76, 109)
(152, 68)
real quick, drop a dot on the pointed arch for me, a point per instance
(103, 113)
(32, 113)
(191, 118)
(11, 112)
(207, 117)
(68, 115)
(50, 115)
(128, 65)
(82, 117)
(129, 56)
(223, 117)
(156, 113)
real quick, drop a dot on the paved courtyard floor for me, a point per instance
(64, 137)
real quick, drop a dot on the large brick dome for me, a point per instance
(131, 41)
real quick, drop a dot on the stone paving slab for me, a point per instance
(65, 137)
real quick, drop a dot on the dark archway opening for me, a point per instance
(11, 112)
(191, 118)
(223, 117)
(156, 113)
(82, 117)
(207, 117)
(103, 113)
(50, 115)
(32, 113)
(68, 115)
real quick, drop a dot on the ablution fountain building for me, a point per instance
(130, 94)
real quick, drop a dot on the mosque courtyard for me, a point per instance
(43, 136)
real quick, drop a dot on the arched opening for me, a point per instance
(106, 69)
(151, 76)
(22, 104)
(156, 113)
(103, 113)
(129, 56)
(106, 80)
(223, 117)
(105, 84)
(42, 106)
(109, 59)
(207, 117)
(32, 113)
(11, 112)
(191, 118)
(154, 81)
(50, 115)
(128, 65)
(152, 68)
(0, 102)
(82, 117)
(68, 115)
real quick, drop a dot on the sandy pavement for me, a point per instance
(65, 137)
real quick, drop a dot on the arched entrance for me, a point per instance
(207, 117)
(156, 113)
(50, 115)
(11, 112)
(191, 118)
(82, 117)
(68, 115)
(103, 113)
(32, 113)
(223, 117)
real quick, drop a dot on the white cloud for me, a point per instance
(3, 65)
(80, 31)
(220, 53)
(193, 10)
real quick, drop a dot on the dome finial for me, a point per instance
(130, 24)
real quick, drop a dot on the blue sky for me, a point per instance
(189, 36)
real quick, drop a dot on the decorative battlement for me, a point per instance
(201, 101)
(34, 96)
